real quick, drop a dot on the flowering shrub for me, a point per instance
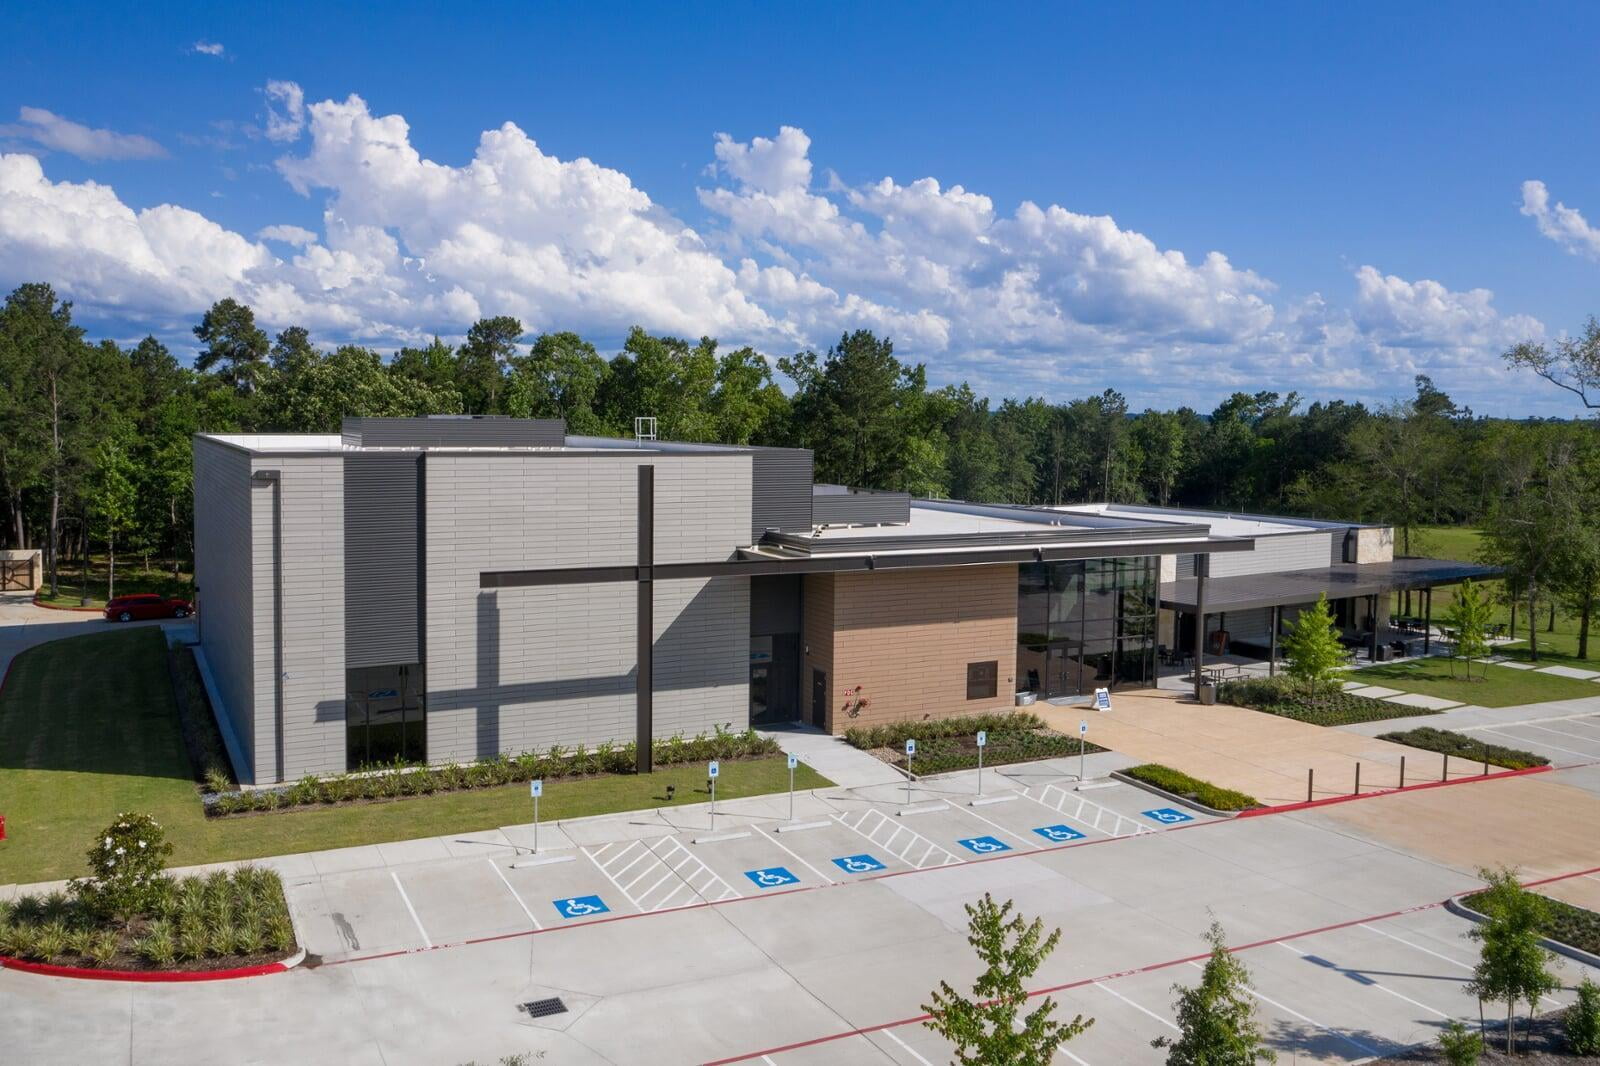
(125, 864)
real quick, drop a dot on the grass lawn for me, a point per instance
(1556, 648)
(1501, 687)
(131, 578)
(88, 728)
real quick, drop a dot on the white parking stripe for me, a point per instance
(1564, 733)
(908, 1048)
(1427, 951)
(996, 825)
(498, 873)
(1135, 1006)
(418, 921)
(1379, 985)
(1352, 1041)
(1537, 743)
(795, 857)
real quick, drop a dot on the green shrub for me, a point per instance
(103, 947)
(1181, 784)
(17, 940)
(217, 780)
(1583, 1020)
(1330, 706)
(1459, 745)
(280, 932)
(192, 939)
(125, 864)
(1459, 1045)
(50, 941)
(158, 945)
(895, 734)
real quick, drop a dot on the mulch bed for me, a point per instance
(1545, 1047)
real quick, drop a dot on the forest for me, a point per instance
(95, 437)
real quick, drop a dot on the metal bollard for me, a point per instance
(1445, 773)
(1311, 776)
(1402, 771)
(1358, 779)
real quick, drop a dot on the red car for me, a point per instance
(146, 605)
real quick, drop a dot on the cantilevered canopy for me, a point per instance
(1339, 581)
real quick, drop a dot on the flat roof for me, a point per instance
(1221, 523)
(1283, 588)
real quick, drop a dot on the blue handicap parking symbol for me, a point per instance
(983, 845)
(1059, 833)
(858, 864)
(772, 877)
(580, 906)
(1167, 816)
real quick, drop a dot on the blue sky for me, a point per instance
(1355, 176)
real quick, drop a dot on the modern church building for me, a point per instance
(448, 588)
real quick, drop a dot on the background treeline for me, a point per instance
(95, 438)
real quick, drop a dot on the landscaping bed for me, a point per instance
(399, 781)
(1469, 748)
(1289, 699)
(1191, 788)
(1543, 1042)
(952, 743)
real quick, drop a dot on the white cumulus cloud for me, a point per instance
(286, 111)
(49, 130)
(1562, 224)
(206, 48)
(298, 235)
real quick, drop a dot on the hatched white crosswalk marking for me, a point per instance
(1080, 809)
(893, 836)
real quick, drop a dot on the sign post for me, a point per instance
(911, 751)
(983, 739)
(536, 789)
(711, 775)
(1083, 731)
(792, 761)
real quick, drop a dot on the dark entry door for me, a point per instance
(819, 698)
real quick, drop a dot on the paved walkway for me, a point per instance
(24, 625)
(831, 757)
(1260, 754)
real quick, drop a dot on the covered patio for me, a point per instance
(1230, 626)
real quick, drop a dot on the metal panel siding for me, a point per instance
(222, 573)
(1294, 551)
(380, 554)
(780, 490)
(312, 498)
(482, 431)
(860, 508)
(521, 668)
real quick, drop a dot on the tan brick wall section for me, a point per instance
(906, 638)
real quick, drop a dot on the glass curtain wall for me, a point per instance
(1083, 625)
(384, 715)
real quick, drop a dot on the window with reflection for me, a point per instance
(384, 716)
(1086, 624)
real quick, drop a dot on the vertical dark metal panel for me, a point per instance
(422, 591)
(1202, 570)
(644, 675)
(467, 431)
(274, 478)
(382, 559)
(775, 605)
(840, 506)
(780, 490)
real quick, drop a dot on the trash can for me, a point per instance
(1207, 690)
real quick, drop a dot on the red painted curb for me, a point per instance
(151, 976)
(1328, 801)
(61, 607)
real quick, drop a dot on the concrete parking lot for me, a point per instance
(737, 942)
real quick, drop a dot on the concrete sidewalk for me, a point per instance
(1262, 755)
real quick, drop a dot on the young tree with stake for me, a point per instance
(1312, 647)
(1512, 965)
(1216, 1018)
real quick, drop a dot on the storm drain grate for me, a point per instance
(543, 1008)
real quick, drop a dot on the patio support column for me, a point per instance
(1202, 570)
(1427, 620)
(1372, 652)
(1272, 644)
